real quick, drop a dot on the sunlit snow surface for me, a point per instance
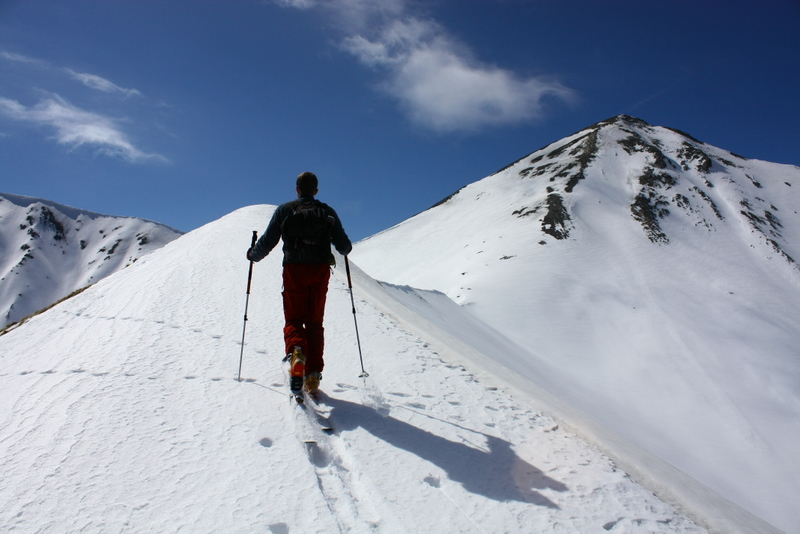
(121, 412)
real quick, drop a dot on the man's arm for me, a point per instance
(269, 239)
(339, 237)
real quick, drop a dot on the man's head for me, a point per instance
(307, 184)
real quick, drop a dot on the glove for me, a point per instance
(249, 252)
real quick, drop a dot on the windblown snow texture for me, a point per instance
(651, 282)
(121, 412)
(48, 251)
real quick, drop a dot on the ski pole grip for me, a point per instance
(250, 272)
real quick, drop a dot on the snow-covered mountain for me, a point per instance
(629, 280)
(48, 251)
(649, 282)
(120, 412)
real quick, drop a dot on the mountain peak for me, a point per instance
(626, 120)
(667, 177)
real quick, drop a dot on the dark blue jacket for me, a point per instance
(291, 254)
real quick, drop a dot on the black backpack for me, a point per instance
(307, 232)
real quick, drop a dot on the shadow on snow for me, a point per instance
(493, 471)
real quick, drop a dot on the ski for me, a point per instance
(303, 427)
(311, 422)
(310, 425)
(317, 414)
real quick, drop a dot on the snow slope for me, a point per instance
(120, 412)
(48, 250)
(651, 280)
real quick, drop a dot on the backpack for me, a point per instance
(306, 232)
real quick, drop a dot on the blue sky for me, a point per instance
(183, 111)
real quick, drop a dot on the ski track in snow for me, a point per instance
(121, 412)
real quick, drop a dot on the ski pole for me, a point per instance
(363, 374)
(246, 304)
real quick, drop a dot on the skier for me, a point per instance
(307, 227)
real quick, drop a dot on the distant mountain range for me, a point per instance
(48, 251)
(648, 279)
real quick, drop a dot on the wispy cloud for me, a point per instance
(101, 84)
(299, 4)
(437, 79)
(76, 127)
(93, 81)
(19, 58)
(73, 126)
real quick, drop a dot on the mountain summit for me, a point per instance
(668, 172)
(647, 279)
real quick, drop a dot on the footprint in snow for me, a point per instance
(432, 481)
(317, 455)
(279, 528)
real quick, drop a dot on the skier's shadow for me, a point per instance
(494, 470)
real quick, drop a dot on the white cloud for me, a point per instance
(437, 80)
(353, 11)
(19, 58)
(101, 84)
(92, 81)
(299, 4)
(76, 127)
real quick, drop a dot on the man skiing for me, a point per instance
(307, 227)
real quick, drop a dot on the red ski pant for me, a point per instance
(305, 288)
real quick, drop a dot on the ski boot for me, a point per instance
(312, 383)
(297, 368)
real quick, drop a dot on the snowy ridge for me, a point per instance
(49, 250)
(460, 336)
(651, 279)
(127, 417)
